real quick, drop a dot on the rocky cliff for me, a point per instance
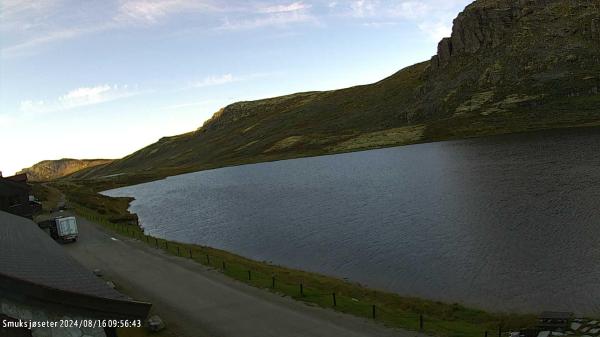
(509, 66)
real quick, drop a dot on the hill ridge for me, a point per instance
(509, 66)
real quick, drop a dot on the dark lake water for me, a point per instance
(502, 223)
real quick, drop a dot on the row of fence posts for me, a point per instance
(374, 312)
(224, 267)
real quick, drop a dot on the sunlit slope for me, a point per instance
(53, 169)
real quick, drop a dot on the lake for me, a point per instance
(500, 223)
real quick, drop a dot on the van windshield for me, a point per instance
(68, 226)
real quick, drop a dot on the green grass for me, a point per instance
(440, 319)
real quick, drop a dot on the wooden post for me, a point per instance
(207, 259)
(421, 322)
(301, 290)
(178, 253)
(249, 275)
(191, 257)
(167, 245)
(224, 266)
(147, 238)
(156, 242)
(273, 282)
(334, 301)
(486, 333)
(499, 330)
(373, 309)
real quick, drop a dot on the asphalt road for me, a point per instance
(196, 301)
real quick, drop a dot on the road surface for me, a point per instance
(196, 301)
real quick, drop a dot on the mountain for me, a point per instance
(509, 66)
(53, 169)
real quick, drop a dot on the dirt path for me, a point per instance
(196, 301)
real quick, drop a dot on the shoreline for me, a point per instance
(390, 309)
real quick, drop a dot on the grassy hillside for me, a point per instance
(509, 66)
(53, 169)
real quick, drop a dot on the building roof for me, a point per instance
(21, 178)
(31, 257)
(9, 187)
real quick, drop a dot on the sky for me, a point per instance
(104, 78)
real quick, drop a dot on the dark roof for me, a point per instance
(35, 265)
(22, 178)
(29, 253)
(556, 315)
(9, 187)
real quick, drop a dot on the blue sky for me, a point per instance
(101, 79)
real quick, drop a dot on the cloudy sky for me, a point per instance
(103, 78)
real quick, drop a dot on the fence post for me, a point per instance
(178, 253)
(301, 290)
(249, 275)
(207, 259)
(334, 300)
(486, 333)
(273, 282)
(167, 245)
(500, 330)
(224, 266)
(421, 322)
(373, 311)
(191, 257)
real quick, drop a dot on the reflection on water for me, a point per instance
(503, 223)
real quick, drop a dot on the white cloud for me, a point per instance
(436, 30)
(411, 10)
(380, 24)
(214, 80)
(293, 7)
(21, 15)
(50, 37)
(151, 11)
(433, 17)
(79, 97)
(363, 8)
(277, 15)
